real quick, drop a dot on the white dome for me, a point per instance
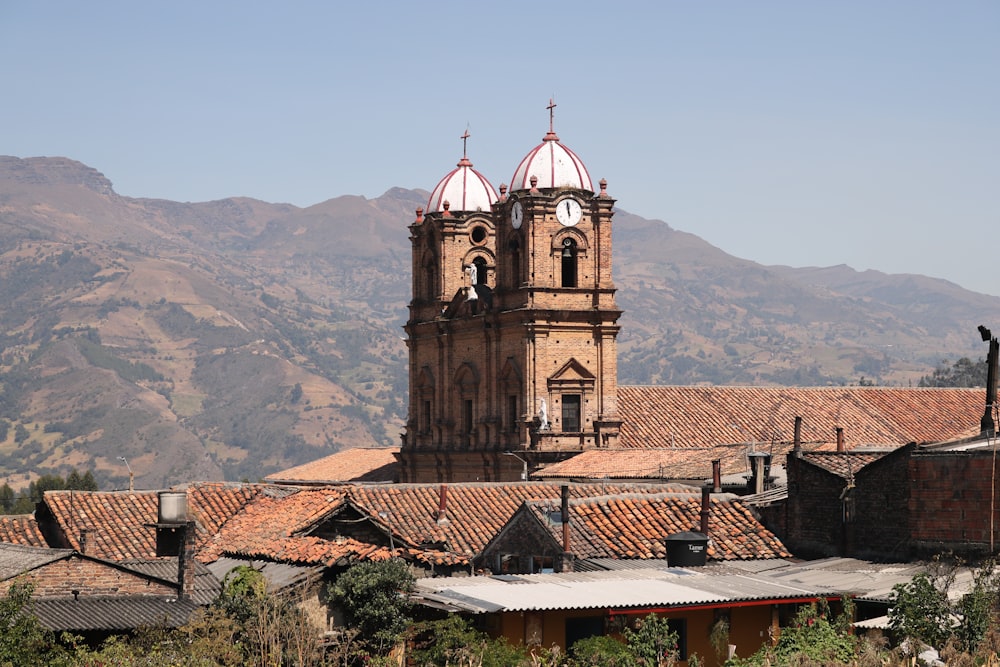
(555, 166)
(463, 189)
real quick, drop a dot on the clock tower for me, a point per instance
(513, 324)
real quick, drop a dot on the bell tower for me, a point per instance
(513, 325)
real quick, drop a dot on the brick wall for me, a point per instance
(814, 512)
(881, 528)
(87, 577)
(952, 502)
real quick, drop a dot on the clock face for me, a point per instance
(516, 215)
(568, 212)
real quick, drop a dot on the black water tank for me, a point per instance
(686, 549)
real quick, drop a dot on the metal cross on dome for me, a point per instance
(551, 108)
(465, 138)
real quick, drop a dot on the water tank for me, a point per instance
(687, 549)
(172, 507)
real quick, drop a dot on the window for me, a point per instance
(571, 413)
(480, 270)
(582, 628)
(515, 261)
(467, 415)
(542, 564)
(512, 414)
(568, 262)
(425, 417)
(679, 626)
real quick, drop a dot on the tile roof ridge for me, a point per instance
(881, 388)
(592, 500)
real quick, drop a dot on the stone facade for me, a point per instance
(512, 337)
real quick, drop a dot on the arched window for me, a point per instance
(515, 262)
(568, 262)
(480, 270)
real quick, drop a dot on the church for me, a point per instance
(513, 323)
(512, 335)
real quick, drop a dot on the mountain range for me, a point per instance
(233, 338)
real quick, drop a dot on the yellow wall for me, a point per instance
(749, 629)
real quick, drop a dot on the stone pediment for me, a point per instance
(572, 371)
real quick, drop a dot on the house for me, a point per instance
(542, 537)
(117, 525)
(95, 597)
(721, 607)
(302, 537)
(914, 502)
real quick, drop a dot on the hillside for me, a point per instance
(235, 338)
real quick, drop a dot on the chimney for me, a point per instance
(760, 470)
(566, 561)
(185, 562)
(706, 508)
(797, 441)
(565, 518)
(83, 540)
(840, 440)
(442, 503)
(717, 476)
(175, 536)
(171, 516)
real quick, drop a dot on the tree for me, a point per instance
(78, 482)
(921, 609)
(24, 641)
(452, 641)
(374, 599)
(652, 642)
(963, 373)
(270, 629)
(601, 651)
(811, 639)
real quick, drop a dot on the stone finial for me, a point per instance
(446, 205)
(420, 214)
(604, 188)
(503, 192)
(534, 183)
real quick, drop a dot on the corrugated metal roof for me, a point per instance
(732, 582)
(16, 559)
(621, 589)
(279, 576)
(68, 614)
(206, 585)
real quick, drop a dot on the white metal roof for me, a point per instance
(731, 582)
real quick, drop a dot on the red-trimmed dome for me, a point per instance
(554, 165)
(462, 189)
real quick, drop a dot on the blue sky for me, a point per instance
(799, 133)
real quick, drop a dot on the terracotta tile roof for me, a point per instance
(116, 522)
(287, 527)
(279, 528)
(634, 526)
(267, 527)
(360, 464)
(707, 416)
(843, 464)
(672, 463)
(474, 512)
(21, 529)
